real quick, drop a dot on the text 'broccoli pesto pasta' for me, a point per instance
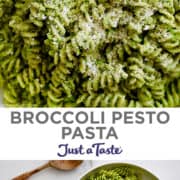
(92, 53)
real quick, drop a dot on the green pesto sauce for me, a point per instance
(90, 53)
(113, 174)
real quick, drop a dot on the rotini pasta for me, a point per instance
(115, 174)
(93, 53)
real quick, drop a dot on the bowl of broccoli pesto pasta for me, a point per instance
(118, 171)
(90, 53)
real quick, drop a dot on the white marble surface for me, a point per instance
(165, 170)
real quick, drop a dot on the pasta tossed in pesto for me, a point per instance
(92, 53)
(113, 174)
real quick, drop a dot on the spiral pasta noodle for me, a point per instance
(93, 53)
(115, 174)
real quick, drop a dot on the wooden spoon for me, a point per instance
(58, 164)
